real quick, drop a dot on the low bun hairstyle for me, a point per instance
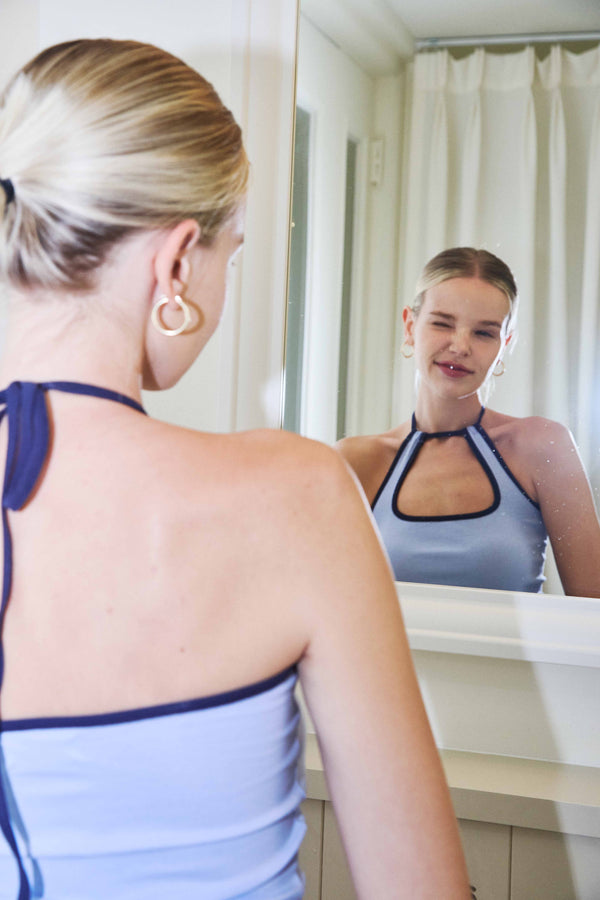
(101, 138)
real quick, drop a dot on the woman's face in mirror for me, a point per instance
(458, 335)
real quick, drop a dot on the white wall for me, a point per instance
(247, 49)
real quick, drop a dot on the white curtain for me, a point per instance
(503, 152)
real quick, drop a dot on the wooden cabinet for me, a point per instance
(487, 852)
(336, 883)
(311, 851)
(547, 865)
(322, 856)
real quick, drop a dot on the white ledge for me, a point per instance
(510, 625)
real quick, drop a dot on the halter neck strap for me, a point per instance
(24, 405)
(29, 432)
(427, 435)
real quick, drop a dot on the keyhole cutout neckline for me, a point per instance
(418, 438)
(460, 432)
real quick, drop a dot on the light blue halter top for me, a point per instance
(193, 799)
(501, 547)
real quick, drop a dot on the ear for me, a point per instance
(171, 263)
(408, 317)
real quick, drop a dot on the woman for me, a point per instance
(462, 494)
(163, 588)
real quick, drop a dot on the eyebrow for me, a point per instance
(450, 317)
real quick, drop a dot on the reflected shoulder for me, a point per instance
(371, 456)
(529, 434)
(541, 437)
(372, 447)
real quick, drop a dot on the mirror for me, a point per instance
(366, 233)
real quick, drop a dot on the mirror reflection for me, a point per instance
(474, 148)
(463, 494)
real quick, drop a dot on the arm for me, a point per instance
(567, 506)
(382, 767)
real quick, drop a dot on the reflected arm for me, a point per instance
(568, 510)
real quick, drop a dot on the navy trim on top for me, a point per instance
(425, 435)
(481, 430)
(476, 515)
(391, 468)
(461, 432)
(151, 712)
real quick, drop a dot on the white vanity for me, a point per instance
(512, 687)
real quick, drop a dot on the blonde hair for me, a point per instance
(101, 138)
(467, 262)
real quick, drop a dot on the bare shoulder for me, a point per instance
(534, 438)
(305, 484)
(370, 456)
(294, 509)
(540, 452)
(286, 462)
(367, 448)
(264, 507)
(266, 469)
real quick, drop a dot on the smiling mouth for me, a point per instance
(454, 368)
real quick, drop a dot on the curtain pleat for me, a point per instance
(556, 396)
(422, 203)
(526, 186)
(587, 394)
(437, 179)
(471, 160)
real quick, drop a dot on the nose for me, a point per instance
(461, 341)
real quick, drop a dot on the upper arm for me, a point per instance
(382, 767)
(568, 510)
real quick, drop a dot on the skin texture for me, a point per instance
(458, 336)
(158, 564)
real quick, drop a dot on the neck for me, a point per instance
(70, 339)
(435, 414)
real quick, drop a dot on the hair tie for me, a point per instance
(8, 188)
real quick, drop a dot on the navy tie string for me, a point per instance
(24, 405)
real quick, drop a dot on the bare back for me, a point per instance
(147, 566)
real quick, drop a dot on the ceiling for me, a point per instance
(461, 18)
(378, 34)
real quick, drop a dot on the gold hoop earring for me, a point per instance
(157, 320)
(403, 350)
(499, 362)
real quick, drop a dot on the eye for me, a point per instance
(441, 324)
(485, 334)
